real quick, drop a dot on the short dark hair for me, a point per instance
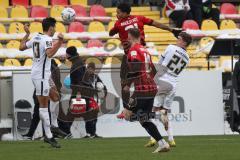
(47, 23)
(134, 32)
(186, 37)
(91, 65)
(72, 51)
(124, 7)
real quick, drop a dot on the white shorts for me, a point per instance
(164, 100)
(42, 87)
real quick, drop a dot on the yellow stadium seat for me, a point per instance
(114, 41)
(75, 43)
(94, 60)
(13, 44)
(56, 11)
(1, 45)
(228, 24)
(11, 62)
(28, 62)
(205, 41)
(113, 44)
(155, 59)
(36, 27)
(2, 28)
(16, 27)
(209, 25)
(60, 27)
(57, 61)
(4, 3)
(3, 12)
(39, 3)
(19, 12)
(112, 60)
(79, 2)
(110, 25)
(96, 27)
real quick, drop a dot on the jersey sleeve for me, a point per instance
(145, 20)
(115, 28)
(48, 43)
(29, 44)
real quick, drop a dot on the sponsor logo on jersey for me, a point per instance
(48, 44)
(46, 91)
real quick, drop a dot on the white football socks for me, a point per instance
(44, 116)
(54, 109)
(170, 132)
(162, 143)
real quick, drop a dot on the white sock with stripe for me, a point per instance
(54, 109)
(44, 116)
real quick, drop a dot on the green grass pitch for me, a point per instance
(188, 148)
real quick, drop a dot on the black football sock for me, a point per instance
(152, 130)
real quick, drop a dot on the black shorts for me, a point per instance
(143, 109)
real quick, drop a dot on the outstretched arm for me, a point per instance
(161, 26)
(23, 45)
(175, 31)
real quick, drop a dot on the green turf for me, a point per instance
(188, 148)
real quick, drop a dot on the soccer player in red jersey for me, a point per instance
(121, 27)
(141, 84)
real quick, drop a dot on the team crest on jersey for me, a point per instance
(48, 43)
(133, 53)
(46, 91)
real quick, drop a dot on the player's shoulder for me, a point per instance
(171, 47)
(138, 16)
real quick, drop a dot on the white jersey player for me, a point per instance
(171, 64)
(41, 68)
(43, 51)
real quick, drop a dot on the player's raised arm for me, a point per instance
(52, 51)
(23, 45)
(175, 31)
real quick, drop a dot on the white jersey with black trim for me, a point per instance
(41, 68)
(175, 59)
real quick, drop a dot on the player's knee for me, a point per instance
(55, 97)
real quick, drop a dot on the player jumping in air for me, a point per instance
(43, 51)
(174, 60)
(141, 77)
(123, 24)
(121, 27)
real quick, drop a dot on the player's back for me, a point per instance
(143, 82)
(175, 59)
(41, 63)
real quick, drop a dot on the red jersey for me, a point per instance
(143, 78)
(123, 25)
